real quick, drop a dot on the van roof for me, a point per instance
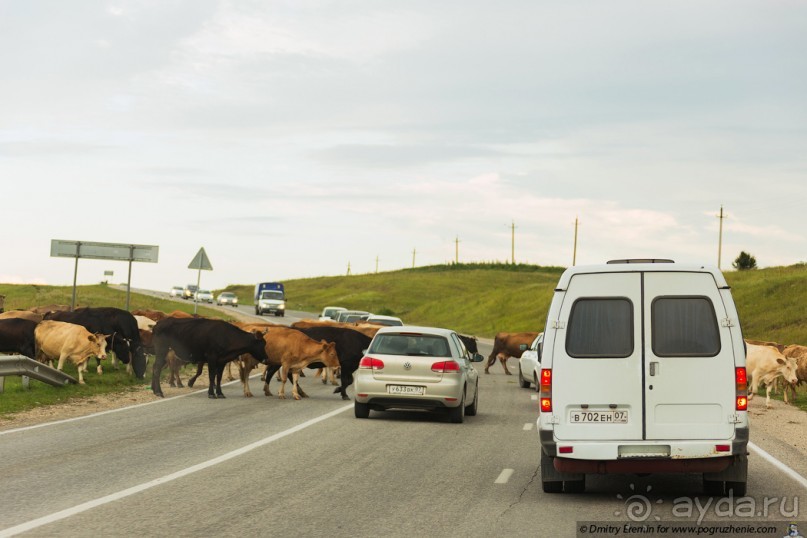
(666, 267)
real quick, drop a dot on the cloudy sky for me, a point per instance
(294, 138)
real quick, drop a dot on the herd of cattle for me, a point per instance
(56, 334)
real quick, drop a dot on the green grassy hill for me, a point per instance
(483, 299)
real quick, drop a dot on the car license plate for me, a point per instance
(405, 389)
(584, 416)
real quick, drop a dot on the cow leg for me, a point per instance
(199, 368)
(159, 362)
(503, 359)
(268, 372)
(244, 368)
(81, 367)
(219, 376)
(284, 374)
(211, 385)
(491, 362)
(295, 376)
(98, 367)
(768, 388)
(229, 372)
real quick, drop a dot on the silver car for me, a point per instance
(529, 365)
(409, 367)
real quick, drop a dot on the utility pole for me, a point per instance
(348, 268)
(376, 264)
(513, 242)
(457, 250)
(413, 257)
(720, 237)
(574, 254)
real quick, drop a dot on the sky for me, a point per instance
(303, 138)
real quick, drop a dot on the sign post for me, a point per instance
(103, 251)
(199, 262)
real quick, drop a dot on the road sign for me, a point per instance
(60, 248)
(201, 261)
(104, 251)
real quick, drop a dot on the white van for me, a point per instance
(643, 371)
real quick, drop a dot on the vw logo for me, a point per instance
(407, 365)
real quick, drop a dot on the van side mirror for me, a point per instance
(478, 357)
(522, 347)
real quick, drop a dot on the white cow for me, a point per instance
(58, 340)
(765, 364)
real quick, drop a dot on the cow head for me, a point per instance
(258, 348)
(98, 345)
(139, 361)
(787, 369)
(328, 354)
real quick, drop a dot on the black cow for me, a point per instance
(470, 343)
(120, 325)
(350, 346)
(197, 340)
(17, 336)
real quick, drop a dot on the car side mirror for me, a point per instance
(478, 357)
(522, 347)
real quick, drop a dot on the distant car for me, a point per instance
(330, 313)
(412, 367)
(204, 296)
(227, 298)
(189, 291)
(389, 321)
(529, 365)
(350, 316)
(176, 291)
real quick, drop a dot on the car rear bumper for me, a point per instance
(430, 404)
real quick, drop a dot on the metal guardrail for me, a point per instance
(25, 366)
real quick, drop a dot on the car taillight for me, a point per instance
(370, 362)
(546, 390)
(443, 367)
(741, 381)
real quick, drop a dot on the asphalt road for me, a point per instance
(191, 466)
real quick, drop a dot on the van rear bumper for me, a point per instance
(699, 465)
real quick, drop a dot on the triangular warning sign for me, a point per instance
(201, 261)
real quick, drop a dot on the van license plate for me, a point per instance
(597, 417)
(405, 389)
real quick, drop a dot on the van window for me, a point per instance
(684, 326)
(600, 328)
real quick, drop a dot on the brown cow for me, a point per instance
(507, 345)
(50, 308)
(61, 340)
(154, 315)
(291, 351)
(21, 314)
(799, 353)
(367, 329)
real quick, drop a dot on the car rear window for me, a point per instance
(600, 328)
(684, 327)
(412, 345)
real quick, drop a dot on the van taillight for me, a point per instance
(370, 362)
(443, 367)
(546, 390)
(741, 382)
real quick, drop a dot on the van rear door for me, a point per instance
(689, 358)
(597, 387)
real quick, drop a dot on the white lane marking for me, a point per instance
(83, 507)
(99, 413)
(504, 476)
(527, 426)
(534, 397)
(779, 465)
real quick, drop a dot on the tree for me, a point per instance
(744, 262)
